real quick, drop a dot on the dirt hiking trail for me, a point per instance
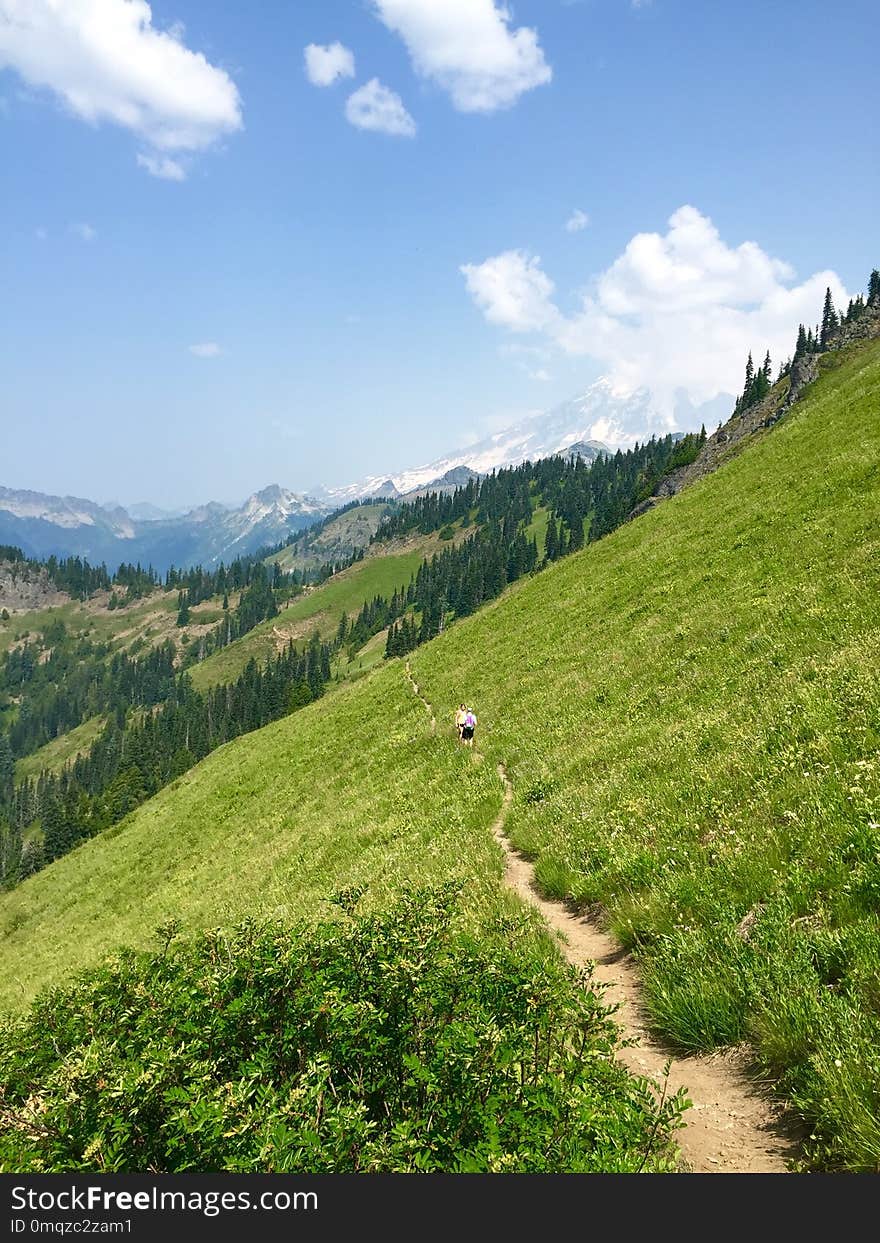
(730, 1127)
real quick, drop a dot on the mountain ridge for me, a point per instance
(45, 525)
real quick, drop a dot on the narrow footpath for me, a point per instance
(731, 1127)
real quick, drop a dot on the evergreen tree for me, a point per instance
(7, 769)
(551, 541)
(802, 345)
(56, 835)
(11, 849)
(874, 288)
(830, 321)
(750, 376)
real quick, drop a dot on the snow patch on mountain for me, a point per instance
(65, 511)
(599, 416)
(271, 510)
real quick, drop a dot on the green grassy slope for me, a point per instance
(350, 791)
(320, 609)
(59, 751)
(690, 712)
(152, 620)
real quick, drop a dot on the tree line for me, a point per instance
(50, 686)
(586, 501)
(816, 340)
(135, 757)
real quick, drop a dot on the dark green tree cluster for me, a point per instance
(133, 759)
(827, 334)
(807, 342)
(199, 584)
(583, 498)
(757, 384)
(60, 681)
(403, 638)
(431, 512)
(257, 603)
(595, 498)
(856, 309)
(136, 581)
(620, 482)
(80, 580)
(830, 321)
(459, 579)
(72, 574)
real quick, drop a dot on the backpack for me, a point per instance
(470, 720)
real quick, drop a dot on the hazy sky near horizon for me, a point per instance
(304, 242)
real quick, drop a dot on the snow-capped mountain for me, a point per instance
(66, 511)
(589, 424)
(44, 526)
(585, 420)
(269, 515)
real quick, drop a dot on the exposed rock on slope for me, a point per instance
(22, 587)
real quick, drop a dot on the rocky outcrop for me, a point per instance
(861, 329)
(22, 587)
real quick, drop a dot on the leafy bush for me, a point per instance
(386, 1042)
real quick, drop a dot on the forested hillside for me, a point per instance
(254, 640)
(691, 734)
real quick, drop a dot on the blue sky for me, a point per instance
(362, 301)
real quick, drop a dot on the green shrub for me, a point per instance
(384, 1042)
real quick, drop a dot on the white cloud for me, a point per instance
(528, 359)
(84, 231)
(512, 290)
(325, 65)
(675, 313)
(577, 221)
(375, 107)
(162, 166)
(469, 49)
(107, 62)
(206, 349)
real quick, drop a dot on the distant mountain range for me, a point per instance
(68, 526)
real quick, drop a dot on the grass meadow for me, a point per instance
(690, 714)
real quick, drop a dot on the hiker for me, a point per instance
(467, 729)
(460, 718)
